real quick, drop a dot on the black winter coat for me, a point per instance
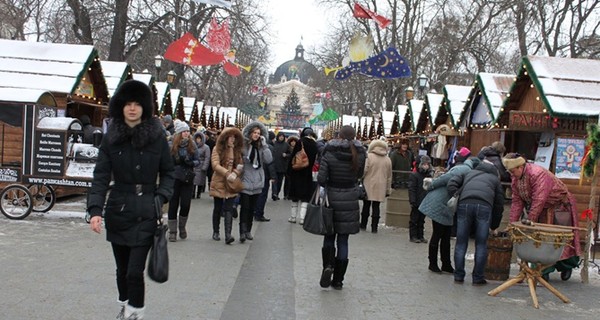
(482, 187)
(279, 161)
(301, 182)
(416, 193)
(131, 156)
(490, 154)
(336, 175)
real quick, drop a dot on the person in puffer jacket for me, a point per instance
(342, 164)
(480, 204)
(204, 162)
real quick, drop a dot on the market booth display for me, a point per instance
(545, 117)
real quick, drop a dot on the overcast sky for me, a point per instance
(291, 21)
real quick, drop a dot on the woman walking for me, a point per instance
(377, 182)
(256, 156)
(342, 164)
(302, 186)
(135, 154)
(227, 164)
(186, 157)
(204, 162)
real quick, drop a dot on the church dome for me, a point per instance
(298, 69)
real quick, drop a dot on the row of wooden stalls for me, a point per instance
(44, 89)
(542, 113)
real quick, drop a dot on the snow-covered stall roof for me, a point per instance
(415, 106)
(434, 102)
(144, 77)
(52, 67)
(115, 72)
(388, 119)
(231, 112)
(163, 95)
(188, 107)
(27, 96)
(486, 98)
(456, 98)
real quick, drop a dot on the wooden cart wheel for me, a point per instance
(16, 202)
(44, 197)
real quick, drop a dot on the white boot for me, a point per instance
(294, 212)
(303, 207)
(132, 313)
(121, 314)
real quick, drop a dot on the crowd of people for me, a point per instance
(148, 159)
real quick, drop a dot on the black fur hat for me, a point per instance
(128, 91)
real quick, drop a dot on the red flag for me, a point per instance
(231, 69)
(189, 51)
(361, 12)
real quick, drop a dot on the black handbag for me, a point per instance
(158, 264)
(362, 192)
(319, 216)
(189, 175)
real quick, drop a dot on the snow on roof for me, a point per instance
(21, 95)
(115, 72)
(388, 120)
(456, 97)
(57, 123)
(569, 86)
(143, 77)
(493, 89)
(53, 67)
(434, 102)
(161, 93)
(188, 107)
(402, 109)
(416, 106)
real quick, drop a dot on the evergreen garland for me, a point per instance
(593, 152)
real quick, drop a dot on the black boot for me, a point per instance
(242, 232)
(433, 266)
(198, 192)
(228, 223)
(328, 254)
(364, 219)
(338, 274)
(374, 224)
(445, 257)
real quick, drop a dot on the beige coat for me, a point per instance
(220, 172)
(378, 172)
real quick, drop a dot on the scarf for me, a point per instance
(254, 155)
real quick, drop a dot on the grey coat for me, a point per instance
(434, 205)
(203, 160)
(254, 178)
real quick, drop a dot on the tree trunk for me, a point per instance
(117, 41)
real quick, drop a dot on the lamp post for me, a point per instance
(409, 93)
(368, 110)
(171, 76)
(422, 84)
(158, 60)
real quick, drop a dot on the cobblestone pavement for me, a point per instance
(53, 267)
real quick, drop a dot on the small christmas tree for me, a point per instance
(358, 131)
(380, 132)
(180, 112)
(291, 105)
(218, 121)
(211, 120)
(395, 125)
(195, 118)
(372, 129)
(365, 134)
(203, 117)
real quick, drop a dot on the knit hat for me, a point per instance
(181, 126)
(464, 152)
(131, 91)
(306, 132)
(167, 119)
(511, 163)
(424, 159)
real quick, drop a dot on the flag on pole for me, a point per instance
(220, 3)
(361, 12)
(189, 51)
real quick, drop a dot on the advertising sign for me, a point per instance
(569, 152)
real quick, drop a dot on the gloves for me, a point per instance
(231, 177)
(427, 182)
(239, 168)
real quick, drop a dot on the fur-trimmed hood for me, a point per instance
(378, 147)
(128, 91)
(250, 126)
(201, 135)
(140, 136)
(230, 131)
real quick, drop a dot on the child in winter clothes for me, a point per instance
(416, 194)
(202, 167)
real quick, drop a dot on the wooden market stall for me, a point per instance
(482, 108)
(72, 73)
(545, 117)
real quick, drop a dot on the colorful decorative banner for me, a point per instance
(189, 51)
(361, 12)
(388, 65)
(569, 152)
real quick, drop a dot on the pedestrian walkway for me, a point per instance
(56, 268)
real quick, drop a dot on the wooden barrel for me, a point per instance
(499, 256)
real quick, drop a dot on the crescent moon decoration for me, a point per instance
(389, 64)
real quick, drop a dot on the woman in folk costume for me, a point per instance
(134, 153)
(377, 182)
(342, 164)
(541, 193)
(185, 156)
(227, 164)
(301, 181)
(256, 156)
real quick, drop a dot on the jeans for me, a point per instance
(131, 262)
(342, 244)
(479, 215)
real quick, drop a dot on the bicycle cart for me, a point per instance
(40, 151)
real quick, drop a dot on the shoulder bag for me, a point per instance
(300, 160)
(319, 216)
(158, 264)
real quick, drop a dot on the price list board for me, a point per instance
(49, 159)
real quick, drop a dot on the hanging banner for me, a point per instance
(543, 156)
(569, 152)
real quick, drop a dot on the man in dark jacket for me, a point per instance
(281, 155)
(480, 204)
(416, 194)
(494, 154)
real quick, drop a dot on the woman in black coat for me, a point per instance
(342, 164)
(135, 154)
(301, 181)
